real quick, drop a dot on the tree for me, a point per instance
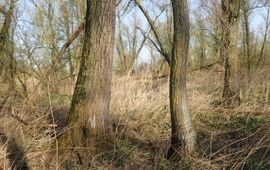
(89, 111)
(201, 37)
(261, 59)
(211, 20)
(6, 54)
(128, 45)
(158, 44)
(246, 14)
(229, 21)
(183, 134)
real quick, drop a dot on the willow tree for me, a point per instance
(183, 135)
(6, 54)
(89, 111)
(229, 51)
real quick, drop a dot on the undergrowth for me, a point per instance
(237, 138)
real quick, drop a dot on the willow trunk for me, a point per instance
(89, 112)
(183, 135)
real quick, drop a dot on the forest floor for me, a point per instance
(232, 138)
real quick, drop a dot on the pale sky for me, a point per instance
(257, 20)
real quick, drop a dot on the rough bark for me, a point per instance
(229, 52)
(89, 112)
(183, 135)
(6, 55)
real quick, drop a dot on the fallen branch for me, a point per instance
(19, 119)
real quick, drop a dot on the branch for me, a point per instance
(153, 42)
(3, 10)
(154, 29)
(145, 37)
(19, 119)
(70, 40)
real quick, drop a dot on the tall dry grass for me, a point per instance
(227, 138)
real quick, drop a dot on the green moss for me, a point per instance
(225, 133)
(250, 123)
(254, 163)
(213, 122)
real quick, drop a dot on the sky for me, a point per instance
(257, 22)
(256, 19)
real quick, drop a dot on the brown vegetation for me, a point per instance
(182, 92)
(232, 138)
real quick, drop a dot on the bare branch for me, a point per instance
(154, 29)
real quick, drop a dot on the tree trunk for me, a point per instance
(267, 25)
(246, 14)
(229, 51)
(6, 47)
(202, 44)
(183, 135)
(89, 112)
(66, 20)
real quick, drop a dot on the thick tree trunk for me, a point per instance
(89, 112)
(229, 51)
(183, 135)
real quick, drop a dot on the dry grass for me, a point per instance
(233, 139)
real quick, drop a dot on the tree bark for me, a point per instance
(89, 112)
(246, 13)
(183, 134)
(265, 36)
(6, 52)
(229, 52)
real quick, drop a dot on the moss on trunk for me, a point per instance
(89, 112)
(183, 135)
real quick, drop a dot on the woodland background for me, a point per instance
(41, 47)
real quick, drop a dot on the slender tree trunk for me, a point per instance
(65, 15)
(183, 135)
(247, 37)
(201, 37)
(89, 112)
(267, 24)
(6, 46)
